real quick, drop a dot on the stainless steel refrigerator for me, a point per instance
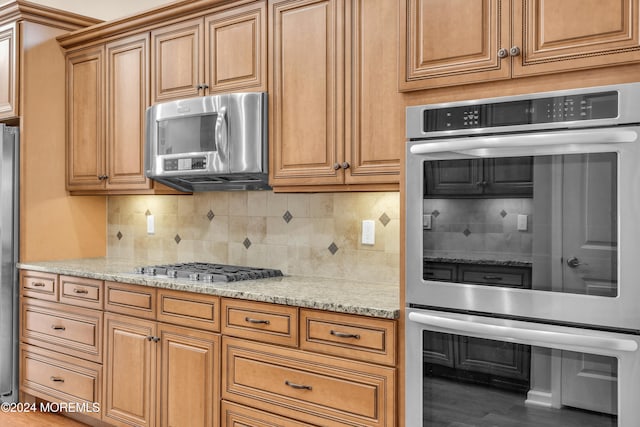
(9, 237)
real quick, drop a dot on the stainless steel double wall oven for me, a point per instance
(523, 260)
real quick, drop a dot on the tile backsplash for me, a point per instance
(302, 234)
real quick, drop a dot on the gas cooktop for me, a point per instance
(206, 272)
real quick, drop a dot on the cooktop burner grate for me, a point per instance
(207, 272)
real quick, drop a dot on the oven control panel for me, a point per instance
(570, 108)
(188, 163)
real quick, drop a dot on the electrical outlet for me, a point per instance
(368, 232)
(426, 221)
(151, 225)
(522, 222)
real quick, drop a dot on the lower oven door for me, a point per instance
(464, 370)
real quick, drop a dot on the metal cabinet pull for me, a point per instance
(58, 328)
(503, 53)
(514, 51)
(57, 379)
(346, 165)
(337, 166)
(297, 386)
(202, 86)
(38, 285)
(80, 291)
(152, 338)
(256, 321)
(344, 335)
(488, 277)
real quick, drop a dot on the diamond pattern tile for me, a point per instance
(177, 238)
(435, 213)
(119, 235)
(287, 217)
(148, 212)
(247, 243)
(503, 213)
(210, 215)
(384, 219)
(466, 232)
(333, 248)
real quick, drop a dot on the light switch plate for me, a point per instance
(522, 222)
(151, 224)
(368, 232)
(426, 221)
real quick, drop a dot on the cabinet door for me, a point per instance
(130, 371)
(236, 49)
(493, 357)
(453, 178)
(306, 88)
(127, 100)
(189, 377)
(177, 61)
(509, 176)
(8, 72)
(452, 42)
(85, 127)
(375, 109)
(438, 348)
(574, 34)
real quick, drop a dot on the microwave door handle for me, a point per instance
(221, 135)
(593, 136)
(551, 338)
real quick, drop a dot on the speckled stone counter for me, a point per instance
(339, 295)
(479, 260)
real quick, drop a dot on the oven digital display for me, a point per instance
(603, 105)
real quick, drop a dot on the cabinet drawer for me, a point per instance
(438, 271)
(189, 309)
(39, 285)
(56, 377)
(81, 292)
(139, 301)
(70, 330)
(272, 323)
(355, 337)
(515, 277)
(241, 416)
(312, 388)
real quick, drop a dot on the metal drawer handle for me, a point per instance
(429, 273)
(344, 335)
(492, 277)
(58, 328)
(38, 285)
(152, 338)
(298, 386)
(256, 321)
(57, 379)
(80, 291)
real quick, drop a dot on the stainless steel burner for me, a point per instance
(206, 272)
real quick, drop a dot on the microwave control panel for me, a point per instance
(590, 106)
(189, 163)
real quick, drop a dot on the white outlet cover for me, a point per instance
(151, 224)
(522, 222)
(368, 232)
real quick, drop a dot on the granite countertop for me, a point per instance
(338, 295)
(479, 259)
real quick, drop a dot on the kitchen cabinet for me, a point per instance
(221, 52)
(8, 72)
(478, 274)
(145, 354)
(336, 118)
(498, 177)
(446, 43)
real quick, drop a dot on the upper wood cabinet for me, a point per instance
(453, 42)
(8, 72)
(222, 52)
(335, 114)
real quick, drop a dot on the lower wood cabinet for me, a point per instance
(307, 387)
(234, 415)
(180, 364)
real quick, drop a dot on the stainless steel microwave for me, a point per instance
(209, 143)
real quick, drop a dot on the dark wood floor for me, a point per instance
(452, 404)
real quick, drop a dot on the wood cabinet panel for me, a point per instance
(127, 99)
(354, 337)
(60, 378)
(130, 371)
(236, 49)
(271, 323)
(512, 277)
(39, 285)
(9, 77)
(82, 292)
(85, 115)
(306, 88)
(177, 61)
(139, 301)
(70, 330)
(308, 387)
(189, 309)
(189, 375)
(234, 415)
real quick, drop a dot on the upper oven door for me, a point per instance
(540, 225)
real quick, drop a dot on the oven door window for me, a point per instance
(189, 134)
(471, 381)
(546, 223)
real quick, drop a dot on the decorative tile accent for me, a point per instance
(503, 213)
(148, 212)
(333, 248)
(119, 235)
(435, 213)
(246, 243)
(466, 232)
(287, 217)
(384, 219)
(210, 215)
(177, 238)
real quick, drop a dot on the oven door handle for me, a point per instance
(593, 136)
(499, 332)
